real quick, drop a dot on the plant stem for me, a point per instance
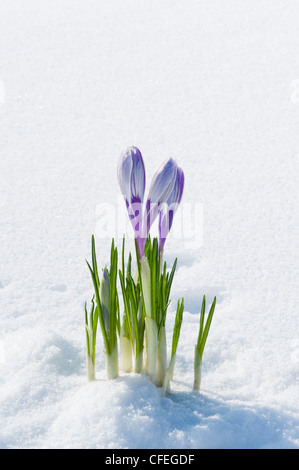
(107, 308)
(125, 354)
(161, 357)
(90, 366)
(197, 369)
(133, 323)
(201, 341)
(151, 346)
(138, 363)
(112, 369)
(91, 324)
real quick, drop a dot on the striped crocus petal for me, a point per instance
(161, 187)
(131, 175)
(124, 171)
(131, 178)
(137, 176)
(169, 208)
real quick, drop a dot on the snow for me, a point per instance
(213, 85)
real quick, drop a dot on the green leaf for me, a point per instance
(100, 312)
(129, 264)
(170, 278)
(153, 273)
(113, 302)
(127, 313)
(94, 259)
(207, 328)
(177, 326)
(202, 315)
(123, 256)
(87, 331)
(94, 333)
(145, 277)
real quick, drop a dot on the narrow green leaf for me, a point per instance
(177, 326)
(170, 279)
(94, 259)
(207, 327)
(113, 294)
(123, 256)
(153, 271)
(129, 264)
(87, 331)
(127, 314)
(94, 333)
(100, 312)
(202, 315)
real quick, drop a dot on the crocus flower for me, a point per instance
(160, 190)
(166, 188)
(169, 208)
(131, 178)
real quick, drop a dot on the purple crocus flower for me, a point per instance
(168, 209)
(131, 178)
(164, 195)
(160, 190)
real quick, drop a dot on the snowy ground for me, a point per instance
(212, 84)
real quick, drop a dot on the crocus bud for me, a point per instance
(131, 178)
(169, 208)
(131, 175)
(161, 187)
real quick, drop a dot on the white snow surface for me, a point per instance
(211, 84)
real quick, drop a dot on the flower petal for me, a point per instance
(162, 182)
(168, 209)
(177, 191)
(160, 190)
(124, 171)
(137, 176)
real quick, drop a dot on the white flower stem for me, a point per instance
(145, 353)
(168, 375)
(161, 358)
(197, 369)
(138, 363)
(112, 369)
(171, 366)
(126, 354)
(91, 375)
(151, 345)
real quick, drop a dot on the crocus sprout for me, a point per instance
(107, 307)
(91, 323)
(164, 196)
(201, 341)
(132, 334)
(156, 287)
(175, 339)
(146, 291)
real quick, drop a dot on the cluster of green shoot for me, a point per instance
(134, 331)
